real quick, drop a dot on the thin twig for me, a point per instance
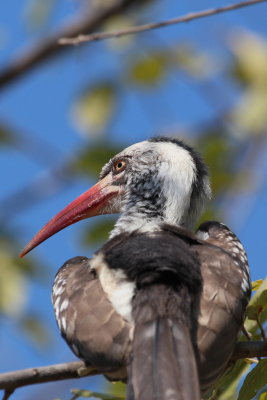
(155, 25)
(261, 328)
(246, 333)
(77, 369)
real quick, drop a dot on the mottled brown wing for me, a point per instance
(226, 292)
(87, 321)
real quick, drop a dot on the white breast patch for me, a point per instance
(116, 285)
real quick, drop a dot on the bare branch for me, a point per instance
(250, 349)
(11, 381)
(7, 394)
(155, 25)
(50, 47)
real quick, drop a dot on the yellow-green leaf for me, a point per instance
(117, 23)
(252, 312)
(149, 70)
(13, 276)
(259, 300)
(117, 389)
(195, 63)
(258, 304)
(256, 284)
(251, 112)
(88, 394)
(250, 52)
(13, 286)
(94, 108)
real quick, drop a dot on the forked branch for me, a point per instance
(50, 47)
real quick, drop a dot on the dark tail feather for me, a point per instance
(130, 391)
(164, 363)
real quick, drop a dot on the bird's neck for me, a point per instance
(132, 222)
(145, 218)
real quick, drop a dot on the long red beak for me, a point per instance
(92, 202)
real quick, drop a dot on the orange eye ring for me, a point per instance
(119, 166)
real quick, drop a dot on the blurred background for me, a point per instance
(64, 111)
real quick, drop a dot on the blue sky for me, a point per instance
(40, 105)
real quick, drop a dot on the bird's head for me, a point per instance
(158, 180)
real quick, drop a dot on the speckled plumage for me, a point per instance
(164, 181)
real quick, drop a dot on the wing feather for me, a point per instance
(87, 320)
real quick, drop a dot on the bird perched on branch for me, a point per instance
(157, 303)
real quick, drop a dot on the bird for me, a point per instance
(160, 187)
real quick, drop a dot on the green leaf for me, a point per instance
(149, 70)
(252, 312)
(252, 326)
(254, 381)
(94, 108)
(257, 308)
(88, 394)
(259, 301)
(226, 387)
(92, 159)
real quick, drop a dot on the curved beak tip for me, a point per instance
(91, 203)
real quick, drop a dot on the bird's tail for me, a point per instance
(164, 364)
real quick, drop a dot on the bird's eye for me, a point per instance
(119, 166)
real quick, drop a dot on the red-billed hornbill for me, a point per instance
(156, 298)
